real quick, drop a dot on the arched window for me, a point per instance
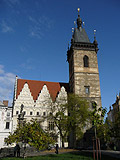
(86, 61)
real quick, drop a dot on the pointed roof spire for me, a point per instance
(79, 20)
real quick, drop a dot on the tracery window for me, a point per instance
(51, 126)
(86, 61)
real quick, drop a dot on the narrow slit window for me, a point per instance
(87, 89)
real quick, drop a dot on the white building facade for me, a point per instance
(5, 123)
(36, 97)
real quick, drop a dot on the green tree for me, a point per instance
(115, 129)
(69, 116)
(30, 133)
(101, 128)
(58, 114)
(78, 117)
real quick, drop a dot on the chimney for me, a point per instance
(5, 102)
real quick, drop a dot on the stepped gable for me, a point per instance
(36, 87)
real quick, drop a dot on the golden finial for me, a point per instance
(94, 31)
(78, 11)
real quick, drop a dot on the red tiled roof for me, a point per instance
(36, 87)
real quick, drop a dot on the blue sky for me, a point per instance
(34, 36)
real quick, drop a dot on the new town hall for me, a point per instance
(83, 80)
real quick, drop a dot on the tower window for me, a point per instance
(87, 89)
(86, 61)
(7, 125)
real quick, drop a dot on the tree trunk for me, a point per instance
(62, 143)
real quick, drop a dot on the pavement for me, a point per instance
(111, 153)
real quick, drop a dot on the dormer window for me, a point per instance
(86, 61)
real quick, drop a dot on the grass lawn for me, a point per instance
(66, 156)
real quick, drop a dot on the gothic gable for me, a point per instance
(25, 97)
(44, 97)
(62, 96)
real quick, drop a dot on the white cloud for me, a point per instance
(1, 69)
(40, 26)
(7, 81)
(28, 64)
(11, 3)
(5, 27)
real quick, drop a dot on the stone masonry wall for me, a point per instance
(87, 76)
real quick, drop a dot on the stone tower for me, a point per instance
(83, 65)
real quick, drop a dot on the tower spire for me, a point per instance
(79, 20)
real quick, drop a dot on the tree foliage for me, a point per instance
(59, 115)
(100, 127)
(115, 127)
(78, 110)
(30, 133)
(97, 115)
(71, 115)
